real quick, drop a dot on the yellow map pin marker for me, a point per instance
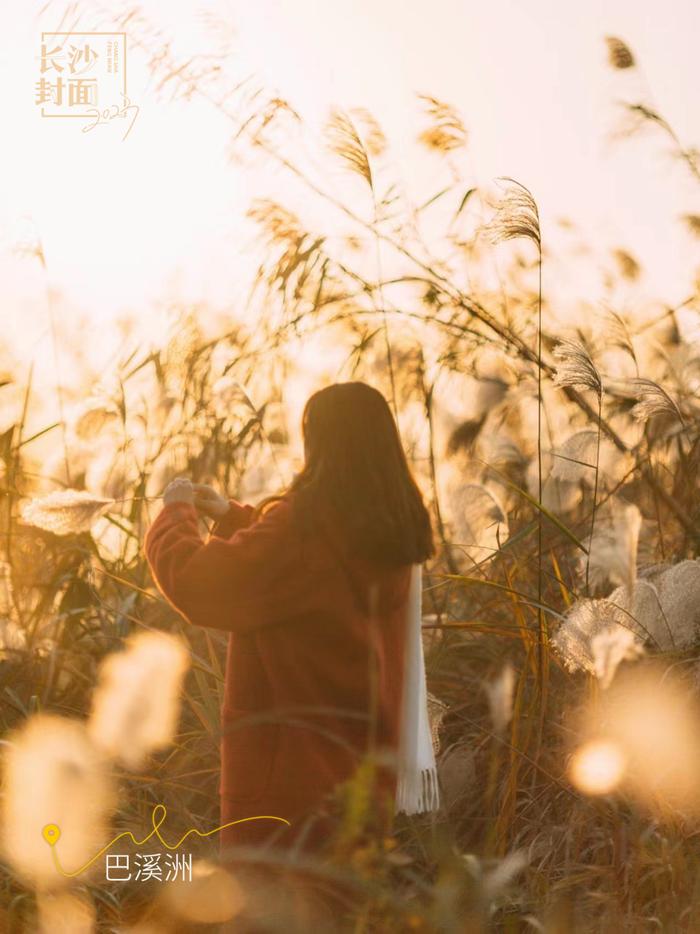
(51, 833)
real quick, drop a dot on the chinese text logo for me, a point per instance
(83, 76)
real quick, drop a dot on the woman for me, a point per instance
(314, 592)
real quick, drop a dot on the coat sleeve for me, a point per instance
(235, 581)
(238, 517)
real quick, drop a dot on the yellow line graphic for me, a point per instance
(52, 834)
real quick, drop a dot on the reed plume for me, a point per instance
(619, 53)
(500, 696)
(345, 141)
(135, 706)
(613, 552)
(516, 215)
(53, 774)
(575, 368)
(653, 400)
(65, 512)
(446, 131)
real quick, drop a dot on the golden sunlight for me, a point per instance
(349, 456)
(598, 767)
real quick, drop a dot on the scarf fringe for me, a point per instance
(418, 792)
(417, 788)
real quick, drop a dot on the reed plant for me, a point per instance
(559, 462)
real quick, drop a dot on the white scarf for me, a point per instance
(417, 787)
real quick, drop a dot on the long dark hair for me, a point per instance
(356, 473)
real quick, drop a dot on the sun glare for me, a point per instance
(597, 768)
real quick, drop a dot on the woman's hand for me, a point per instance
(179, 491)
(209, 502)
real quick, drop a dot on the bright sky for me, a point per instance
(125, 224)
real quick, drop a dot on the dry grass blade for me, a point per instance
(65, 512)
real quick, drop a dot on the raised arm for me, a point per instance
(233, 580)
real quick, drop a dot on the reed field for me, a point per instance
(559, 456)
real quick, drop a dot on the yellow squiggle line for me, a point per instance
(161, 810)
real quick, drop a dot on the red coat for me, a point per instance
(301, 616)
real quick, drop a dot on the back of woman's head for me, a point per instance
(356, 472)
